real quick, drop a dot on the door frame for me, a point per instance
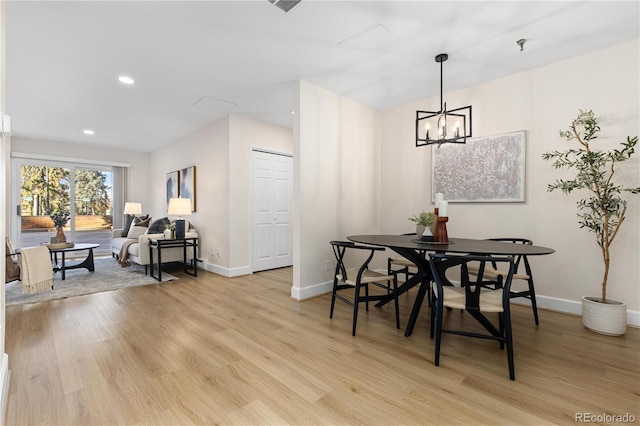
(252, 193)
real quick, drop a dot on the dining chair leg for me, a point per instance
(432, 305)
(333, 296)
(501, 329)
(438, 319)
(356, 303)
(534, 305)
(366, 295)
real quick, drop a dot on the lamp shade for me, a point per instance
(179, 206)
(132, 208)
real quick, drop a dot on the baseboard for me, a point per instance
(227, 272)
(4, 390)
(571, 307)
(544, 302)
(298, 293)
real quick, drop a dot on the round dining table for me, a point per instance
(414, 249)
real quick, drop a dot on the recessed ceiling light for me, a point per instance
(88, 132)
(126, 80)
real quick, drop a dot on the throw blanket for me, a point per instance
(124, 253)
(36, 270)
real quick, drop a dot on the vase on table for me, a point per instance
(420, 230)
(433, 227)
(60, 234)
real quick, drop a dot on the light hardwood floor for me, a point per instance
(212, 350)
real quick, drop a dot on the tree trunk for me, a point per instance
(605, 255)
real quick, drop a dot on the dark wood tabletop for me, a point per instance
(455, 245)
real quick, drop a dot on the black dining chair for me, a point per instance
(472, 296)
(359, 277)
(493, 276)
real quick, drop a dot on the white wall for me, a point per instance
(316, 187)
(336, 169)
(244, 134)
(4, 212)
(208, 149)
(542, 102)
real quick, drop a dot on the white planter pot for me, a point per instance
(605, 318)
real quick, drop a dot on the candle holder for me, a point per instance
(441, 230)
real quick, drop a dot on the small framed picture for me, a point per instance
(173, 185)
(188, 185)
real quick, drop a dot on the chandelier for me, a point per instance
(444, 126)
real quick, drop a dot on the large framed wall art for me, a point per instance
(488, 169)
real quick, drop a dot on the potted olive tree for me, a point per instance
(602, 210)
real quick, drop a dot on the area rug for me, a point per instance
(108, 275)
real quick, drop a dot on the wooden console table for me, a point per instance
(185, 243)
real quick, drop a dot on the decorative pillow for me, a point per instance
(128, 219)
(138, 227)
(158, 226)
(137, 231)
(143, 221)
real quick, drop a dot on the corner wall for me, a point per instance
(337, 172)
(208, 149)
(221, 152)
(244, 134)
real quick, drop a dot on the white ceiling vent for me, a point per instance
(285, 5)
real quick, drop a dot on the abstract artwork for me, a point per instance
(488, 169)
(172, 185)
(188, 185)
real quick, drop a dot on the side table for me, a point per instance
(185, 243)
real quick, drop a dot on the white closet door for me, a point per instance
(272, 203)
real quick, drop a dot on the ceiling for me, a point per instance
(194, 62)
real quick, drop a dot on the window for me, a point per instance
(85, 192)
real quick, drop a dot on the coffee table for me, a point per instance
(87, 263)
